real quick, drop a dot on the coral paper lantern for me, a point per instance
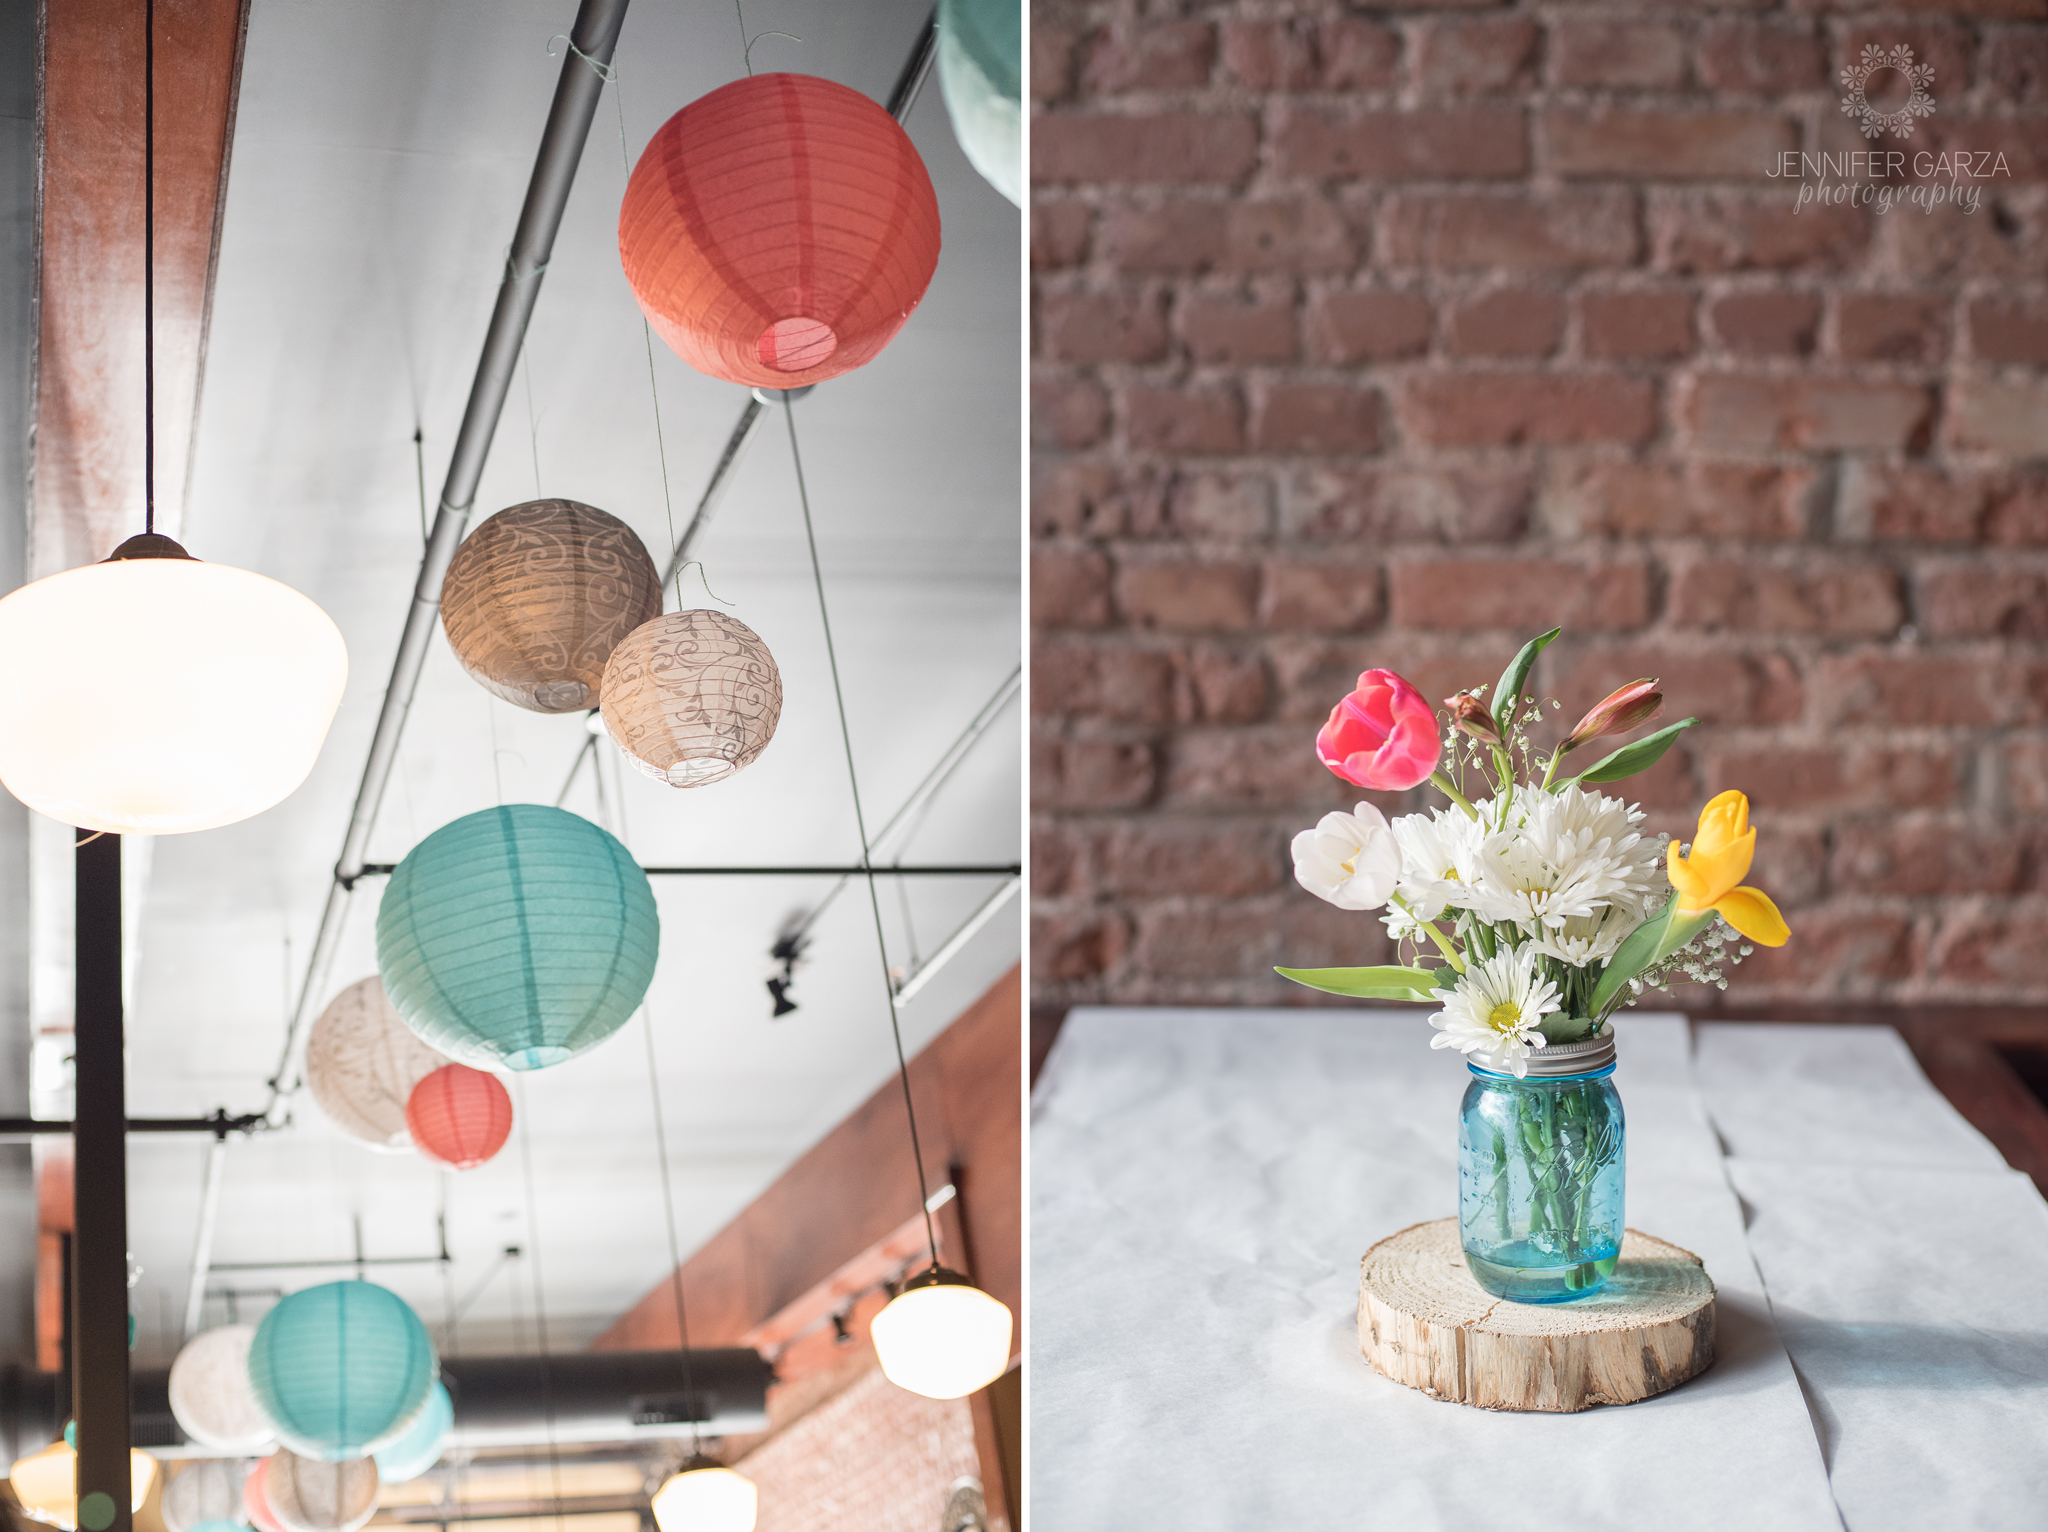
(779, 231)
(210, 1394)
(255, 1504)
(537, 597)
(981, 44)
(420, 1448)
(204, 1492)
(155, 694)
(459, 1116)
(692, 697)
(362, 1062)
(341, 1369)
(310, 1495)
(518, 936)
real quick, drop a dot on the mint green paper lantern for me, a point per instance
(517, 937)
(420, 1448)
(341, 1369)
(980, 44)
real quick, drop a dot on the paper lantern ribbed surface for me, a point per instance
(779, 231)
(210, 1394)
(311, 1495)
(981, 44)
(537, 597)
(254, 1503)
(517, 936)
(420, 1448)
(692, 697)
(459, 1116)
(362, 1062)
(341, 1369)
(204, 1491)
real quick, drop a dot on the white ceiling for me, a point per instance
(380, 155)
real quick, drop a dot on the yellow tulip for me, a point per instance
(1711, 878)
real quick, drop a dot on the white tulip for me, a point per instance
(1352, 859)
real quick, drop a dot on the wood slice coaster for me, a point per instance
(1424, 1322)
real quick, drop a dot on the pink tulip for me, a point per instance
(1382, 736)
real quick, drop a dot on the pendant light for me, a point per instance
(152, 693)
(706, 1496)
(46, 1482)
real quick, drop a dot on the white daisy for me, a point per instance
(1584, 939)
(1493, 1014)
(1437, 863)
(1352, 859)
(1572, 855)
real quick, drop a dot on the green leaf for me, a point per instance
(1511, 679)
(1368, 983)
(1645, 947)
(1640, 755)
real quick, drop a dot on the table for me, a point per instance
(1203, 1184)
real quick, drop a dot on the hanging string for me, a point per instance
(149, 272)
(532, 421)
(668, 1208)
(860, 824)
(419, 463)
(540, 1303)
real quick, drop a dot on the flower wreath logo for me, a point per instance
(1876, 124)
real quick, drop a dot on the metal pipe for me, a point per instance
(929, 968)
(934, 870)
(202, 1245)
(21, 1130)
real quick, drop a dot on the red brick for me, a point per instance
(1838, 600)
(1271, 55)
(1210, 941)
(1187, 595)
(1746, 501)
(1096, 681)
(1173, 237)
(1671, 786)
(1639, 55)
(1759, 58)
(1217, 505)
(1372, 326)
(1306, 925)
(1119, 326)
(1284, 234)
(1480, 594)
(1357, 54)
(1722, 233)
(2014, 65)
(1154, 55)
(1052, 60)
(2019, 512)
(2026, 775)
(1838, 779)
(1057, 868)
(1834, 953)
(1316, 417)
(1508, 322)
(2009, 329)
(1077, 944)
(1892, 327)
(2009, 417)
(1905, 502)
(1554, 231)
(1172, 148)
(1091, 773)
(1719, 688)
(1177, 421)
(1264, 767)
(1067, 412)
(1734, 410)
(2006, 949)
(1921, 691)
(1636, 325)
(1312, 674)
(1059, 234)
(2008, 239)
(1663, 146)
(1515, 409)
(1424, 143)
(1238, 327)
(1069, 588)
(1215, 685)
(1081, 498)
(1174, 858)
(1980, 602)
(1768, 323)
(1323, 595)
(1409, 504)
(1465, 57)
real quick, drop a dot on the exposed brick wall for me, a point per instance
(1388, 336)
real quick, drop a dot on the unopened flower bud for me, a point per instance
(1470, 716)
(1631, 707)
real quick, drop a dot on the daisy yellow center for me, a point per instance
(1505, 1017)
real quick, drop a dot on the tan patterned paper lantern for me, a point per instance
(539, 595)
(204, 1490)
(307, 1495)
(210, 1394)
(692, 697)
(362, 1062)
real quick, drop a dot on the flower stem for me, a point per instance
(1444, 785)
(1551, 771)
(1443, 942)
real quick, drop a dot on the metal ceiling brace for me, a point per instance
(99, 1241)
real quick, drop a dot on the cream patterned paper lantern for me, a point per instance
(307, 1495)
(537, 597)
(692, 697)
(210, 1393)
(362, 1062)
(203, 1490)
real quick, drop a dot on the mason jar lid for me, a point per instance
(1560, 1059)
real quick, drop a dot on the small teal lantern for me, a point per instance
(517, 937)
(420, 1448)
(980, 43)
(342, 1369)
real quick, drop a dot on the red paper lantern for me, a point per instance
(459, 1116)
(779, 231)
(256, 1503)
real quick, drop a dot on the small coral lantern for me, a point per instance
(459, 1116)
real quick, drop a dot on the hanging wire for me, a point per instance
(419, 462)
(532, 420)
(860, 824)
(149, 272)
(675, 1255)
(540, 1303)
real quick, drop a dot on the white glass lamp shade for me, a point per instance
(692, 697)
(942, 1336)
(46, 1483)
(362, 1062)
(309, 1495)
(154, 694)
(706, 1497)
(204, 1490)
(211, 1397)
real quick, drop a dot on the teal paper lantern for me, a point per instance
(980, 43)
(518, 937)
(420, 1448)
(342, 1369)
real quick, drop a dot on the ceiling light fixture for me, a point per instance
(46, 1482)
(706, 1496)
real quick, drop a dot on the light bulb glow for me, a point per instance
(706, 1498)
(46, 1483)
(942, 1338)
(159, 695)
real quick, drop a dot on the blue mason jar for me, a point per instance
(1540, 1170)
